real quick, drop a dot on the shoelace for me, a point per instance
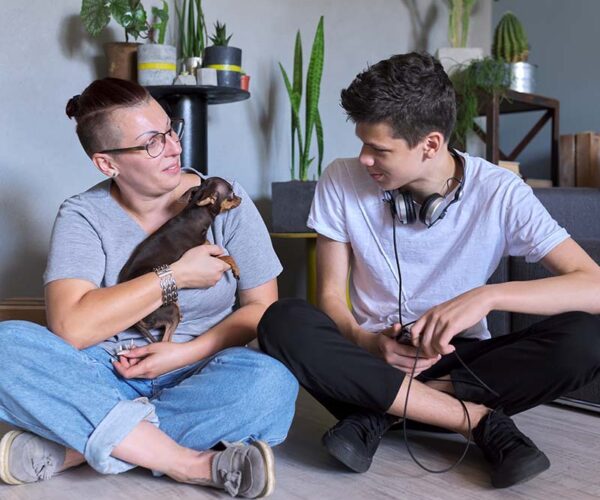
(231, 481)
(503, 433)
(373, 431)
(44, 467)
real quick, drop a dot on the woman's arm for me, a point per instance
(237, 329)
(84, 315)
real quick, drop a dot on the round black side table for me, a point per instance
(190, 102)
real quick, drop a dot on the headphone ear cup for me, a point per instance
(431, 209)
(405, 207)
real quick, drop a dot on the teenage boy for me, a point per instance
(419, 228)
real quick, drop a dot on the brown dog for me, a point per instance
(170, 241)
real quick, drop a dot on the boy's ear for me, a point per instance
(432, 144)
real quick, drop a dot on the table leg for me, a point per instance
(311, 270)
(193, 109)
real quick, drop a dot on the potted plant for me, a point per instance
(458, 35)
(510, 45)
(129, 14)
(157, 62)
(291, 200)
(192, 34)
(225, 59)
(470, 82)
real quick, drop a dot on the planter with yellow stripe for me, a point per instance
(157, 64)
(228, 63)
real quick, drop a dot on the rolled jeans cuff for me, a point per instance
(117, 424)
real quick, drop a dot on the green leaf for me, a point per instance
(320, 143)
(313, 87)
(298, 65)
(95, 16)
(163, 17)
(296, 126)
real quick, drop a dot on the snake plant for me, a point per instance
(192, 28)
(312, 120)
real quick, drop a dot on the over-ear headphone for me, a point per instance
(402, 205)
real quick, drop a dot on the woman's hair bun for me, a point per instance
(72, 108)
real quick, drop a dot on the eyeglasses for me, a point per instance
(156, 145)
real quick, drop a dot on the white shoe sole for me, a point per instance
(5, 445)
(267, 454)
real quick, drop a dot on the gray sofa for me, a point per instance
(578, 210)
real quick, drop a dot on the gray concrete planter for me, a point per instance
(291, 203)
(157, 64)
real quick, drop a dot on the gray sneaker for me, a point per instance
(27, 458)
(245, 470)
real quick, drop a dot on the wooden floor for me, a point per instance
(570, 438)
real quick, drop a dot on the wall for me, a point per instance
(46, 58)
(564, 45)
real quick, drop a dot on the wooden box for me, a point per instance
(25, 308)
(580, 160)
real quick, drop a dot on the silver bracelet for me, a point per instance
(167, 284)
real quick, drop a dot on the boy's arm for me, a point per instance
(333, 264)
(575, 286)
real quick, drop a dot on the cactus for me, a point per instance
(458, 27)
(510, 40)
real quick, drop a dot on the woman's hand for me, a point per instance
(437, 327)
(199, 267)
(152, 360)
(400, 356)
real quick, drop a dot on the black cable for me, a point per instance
(410, 452)
(412, 374)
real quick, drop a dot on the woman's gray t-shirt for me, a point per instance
(93, 237)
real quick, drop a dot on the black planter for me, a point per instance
(228, 63)
(291, 203)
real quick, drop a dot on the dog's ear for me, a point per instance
(187, 196)
(209, 200)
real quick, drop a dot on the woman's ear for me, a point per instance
(105, 164)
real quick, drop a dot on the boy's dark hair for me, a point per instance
(92, 111)
(411, 92)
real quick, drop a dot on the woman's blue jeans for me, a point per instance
(76, 398)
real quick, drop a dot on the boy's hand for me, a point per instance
(437, 327)
(400, 356)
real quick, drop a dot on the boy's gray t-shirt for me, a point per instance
(93, 237)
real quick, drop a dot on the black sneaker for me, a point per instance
(354, 440)
(513, 456)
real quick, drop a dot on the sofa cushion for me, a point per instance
(519, 270)
(575, 209)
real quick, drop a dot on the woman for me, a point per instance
(90, 388)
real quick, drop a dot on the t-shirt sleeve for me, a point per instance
(326, 215)
(75, 247)
(531, 231)
(246, 239)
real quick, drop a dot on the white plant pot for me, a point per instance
(157, 64)
(454, 58)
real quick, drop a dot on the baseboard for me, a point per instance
(579, 403)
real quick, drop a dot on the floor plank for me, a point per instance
(570, 438)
